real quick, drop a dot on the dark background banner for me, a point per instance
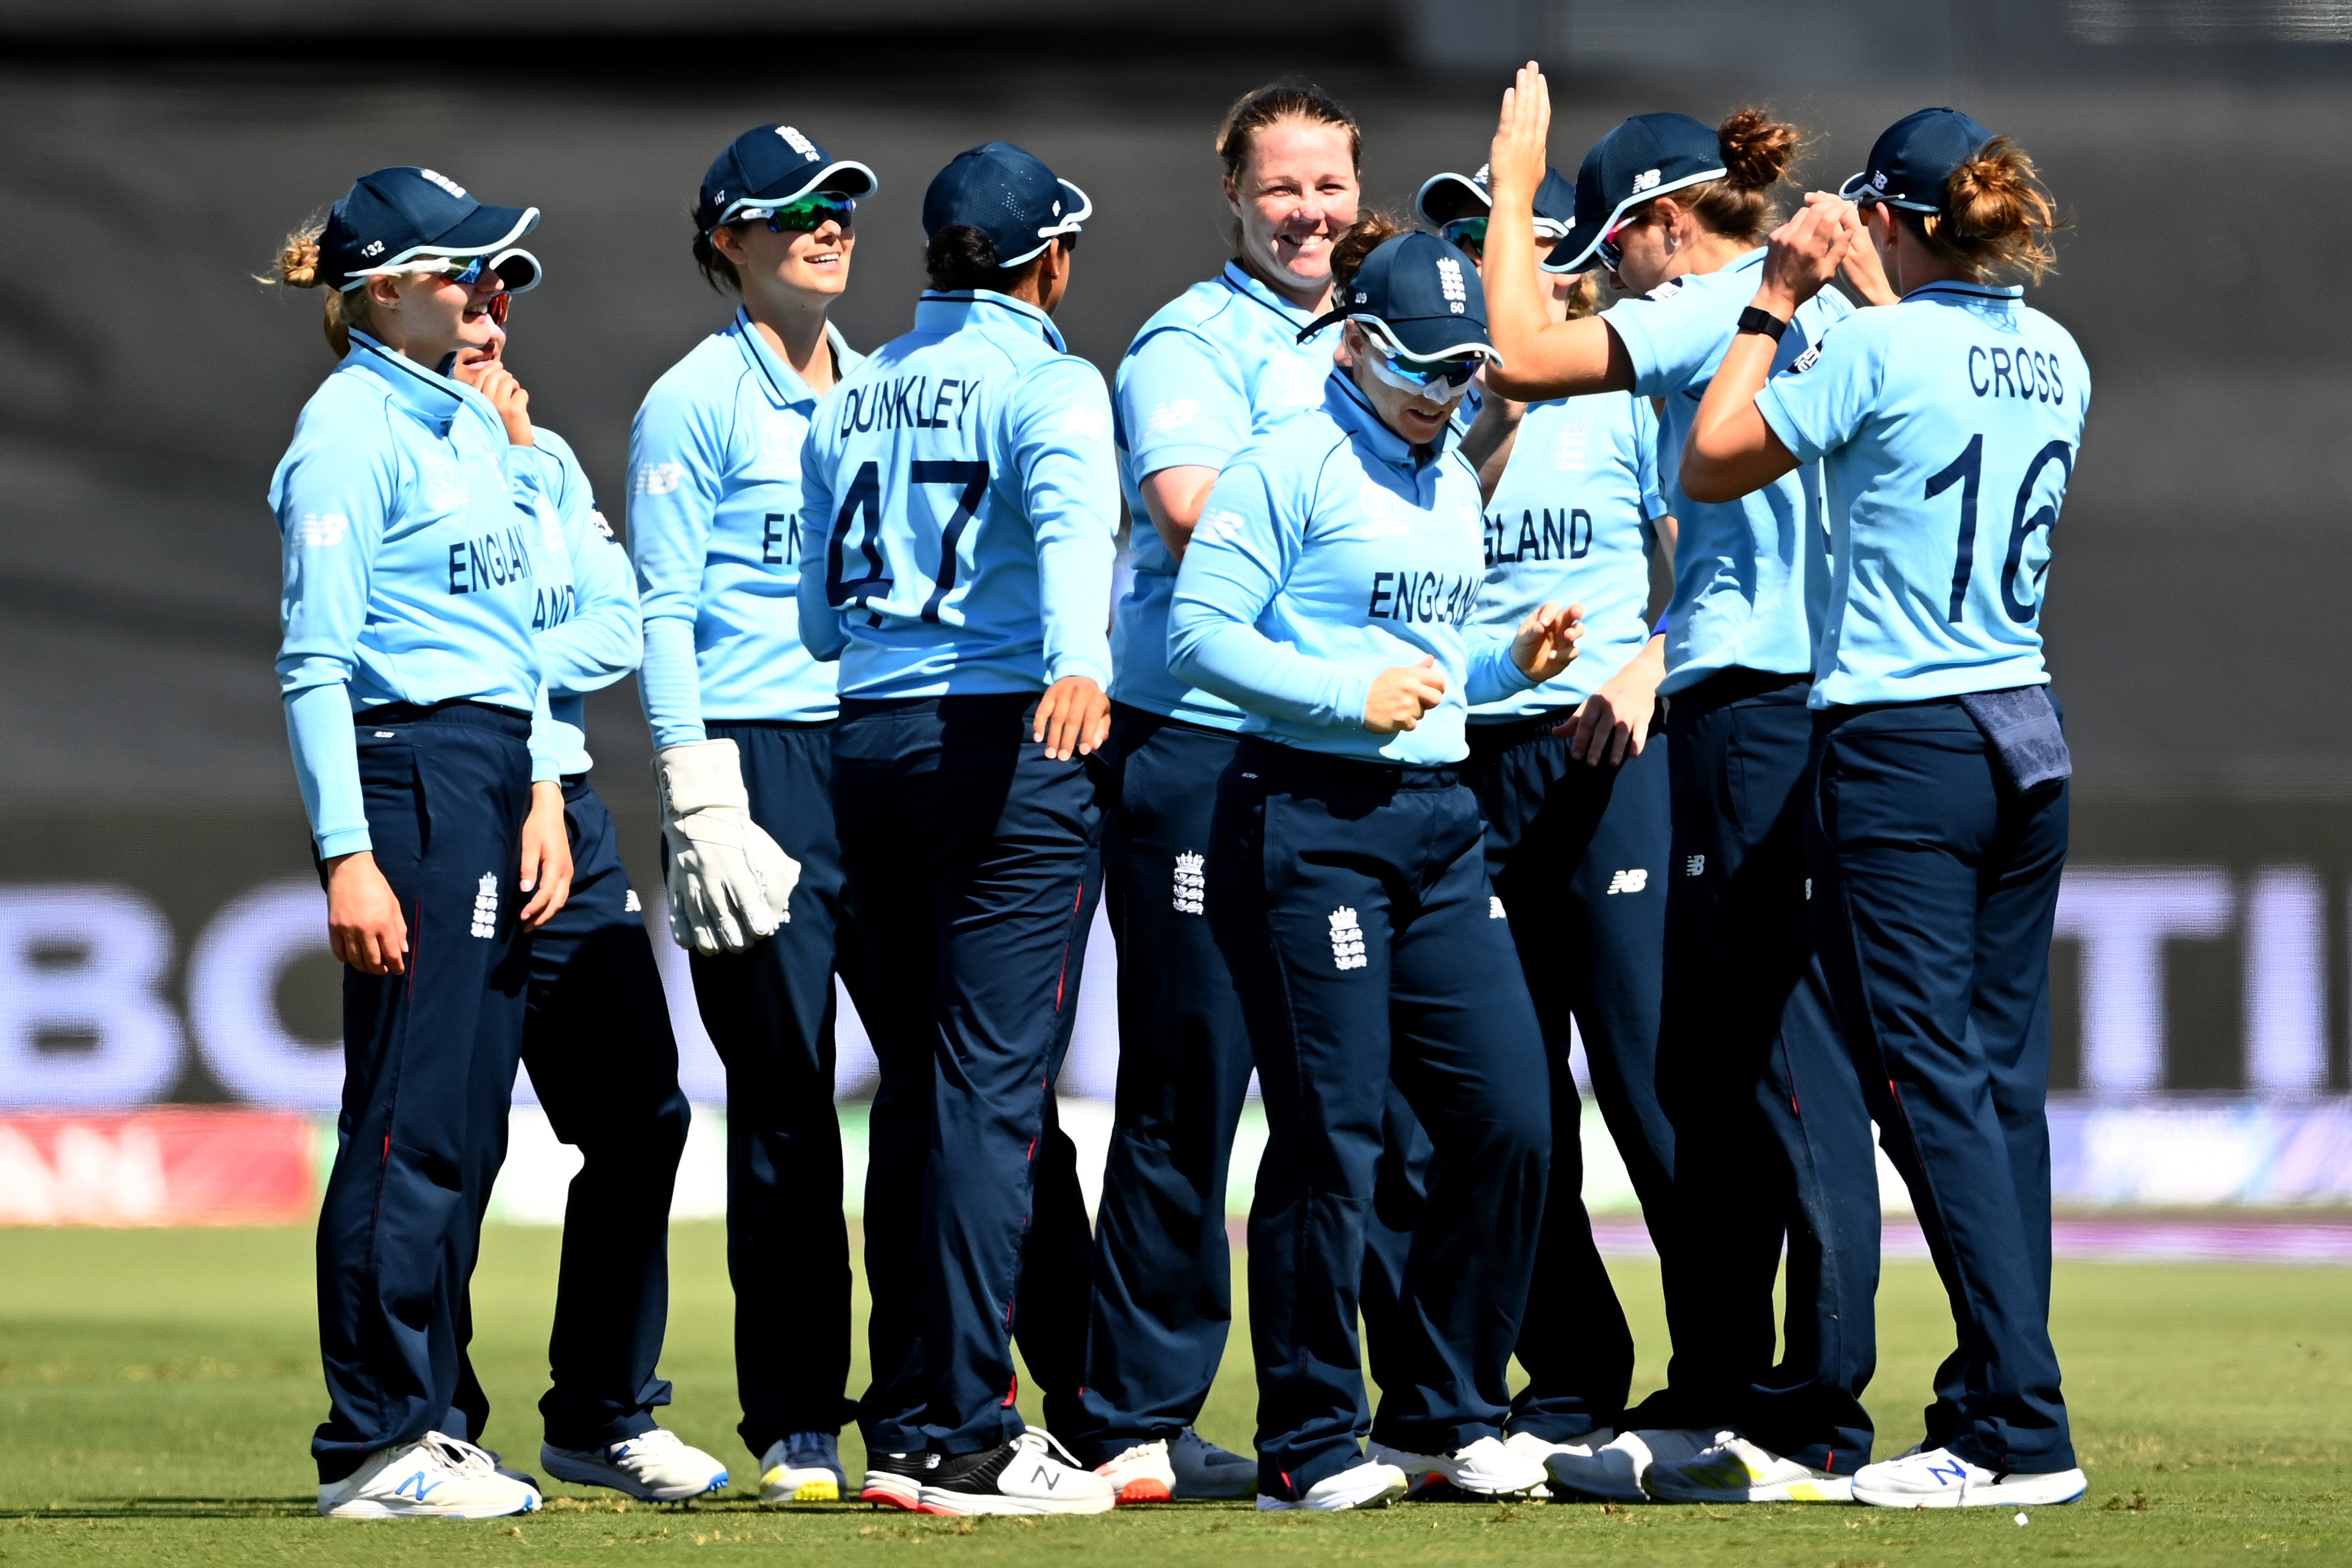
(152, 155)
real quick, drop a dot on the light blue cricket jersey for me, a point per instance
(1751, 576)
(1569, 524)
(959, 508)
(1949, 425)
(588, 632)
(1329, 551)
(713, 517)
(1219, 360)
(414, 560)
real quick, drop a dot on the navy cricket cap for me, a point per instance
(1644, 158)
(1009, 195)
(414, 220)
(1445, 197)
(769, 166)
(1416, 296)
(1911, 163)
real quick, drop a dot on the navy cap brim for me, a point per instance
(1453, 194)
(845, 176)
(486, 228)
(1428, 337)
(1575, 253)
(1857, 189)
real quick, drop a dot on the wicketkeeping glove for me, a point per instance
(730, 883)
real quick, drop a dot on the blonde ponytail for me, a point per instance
(297, 266)
(2000, 216)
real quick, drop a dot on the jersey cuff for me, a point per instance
(1153, 459)
(349, 841)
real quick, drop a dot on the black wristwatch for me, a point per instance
(1753, 320)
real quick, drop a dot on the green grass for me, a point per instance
(157, 1389)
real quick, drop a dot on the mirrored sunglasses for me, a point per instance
(811, 212)
(1469, 233)
(1404, 372)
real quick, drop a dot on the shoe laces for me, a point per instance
(1045, 1440)
(456, 1454)
(646, 1444)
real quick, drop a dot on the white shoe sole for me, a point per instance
(1378, 1499)
(894, 1491)
(596, 1473)
(375, 1508)
(1836, 1488)
(962, 1505)
(2018, 1491)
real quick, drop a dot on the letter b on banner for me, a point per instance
(82, 1023)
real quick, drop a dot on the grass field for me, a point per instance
(157, 1389)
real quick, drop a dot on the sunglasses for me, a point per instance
(1469, 233)
(1611, 254)
(811, 212)
(1409, 375)
(515, 269)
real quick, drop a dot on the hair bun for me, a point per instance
(298, 262)
(1371, 230)
(1758, 150)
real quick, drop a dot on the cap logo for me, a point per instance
(1878, 181)
(798, 142)
(1362, 298)
(1645, 181)
(1483, 176)
(1058, 209)
(373, 247)
(1449, 283)
(445, 181)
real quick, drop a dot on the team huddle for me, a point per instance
(1393, 770)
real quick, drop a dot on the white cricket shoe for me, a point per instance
(436, 1477)
(1368, 1485)
(1024, 1476)
(1489, 1466)
(1612, 1472)
(1942, 1478)
(1142, 1473)
(802, 1467)
(655, 1466)
(1737, 1471)
(1541, 1449)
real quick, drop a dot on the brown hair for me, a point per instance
(1361, 239)
(2001, 217)
(717, 270)
(1273, 104)
(1584, 300)
(1758, 152)
(298, 267)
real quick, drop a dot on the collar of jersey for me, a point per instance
(1345, 402)
(1235, 279)
(434, 399)
(951, 311)
(784, 384)
(1959, 290)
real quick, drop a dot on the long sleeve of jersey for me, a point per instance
(1070, 471)
(676, 467)
(821, 631)
(334, 497)
(1241, 555)
(603, 639)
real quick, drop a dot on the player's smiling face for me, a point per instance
(797, 261)
(427, 318)
(1296, 194)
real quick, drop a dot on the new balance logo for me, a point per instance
(631, 903)
(486, 906)
(1809, 889)
(1644, 181)
(1191, 885)
(1631, 881)
(659, 478)
(417, 1487)
(1954, 1471)
(1694, 865)
(320, 532)
(1346, 939)
(1495, 908)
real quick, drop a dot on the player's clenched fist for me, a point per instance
(1402, 695)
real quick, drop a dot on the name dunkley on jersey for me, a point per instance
(1947, 426)
(960, 501)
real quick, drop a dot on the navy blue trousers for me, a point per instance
(1369, 949)
(1162, 1298)
(1941, 884)
(974, 862)
(1600, 836)
(1772, 1134)
(598, 1047)
(429, 1062)
(769, 1011)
